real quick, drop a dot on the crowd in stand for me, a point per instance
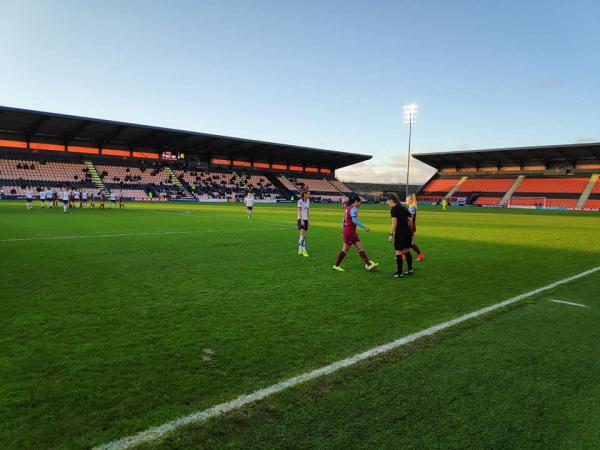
(221, 185)
(143, 180)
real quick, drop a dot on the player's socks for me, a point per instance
(364, 256)
(409, 261)
(340, 258)
(399, 262)
(416, 248)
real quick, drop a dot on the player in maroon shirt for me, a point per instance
(411, 202)
(350, 235)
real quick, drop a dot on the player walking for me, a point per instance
(350, 235)
(43, 198)
(102, 199)
(29, 197)
(113, 200)
(302, 222)
(49, 198)
(401, 235)
(411, 202)
(84, 198)
(66, 197)
(249, 200)
(121, 204)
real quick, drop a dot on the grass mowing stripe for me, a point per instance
(157, 233)
(154, 433)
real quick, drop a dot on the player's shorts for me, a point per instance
(65, 202)
(302, 224)
(402, 240)
(249, 208)
(350, 237)
(29, 200)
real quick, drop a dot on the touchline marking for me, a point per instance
(157, 233)
(153, 433)
(568, 303)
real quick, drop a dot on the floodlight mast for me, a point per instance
(410, 117)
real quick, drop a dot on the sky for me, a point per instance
(327, 74)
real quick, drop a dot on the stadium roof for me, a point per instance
(547, 153)
(74, 130)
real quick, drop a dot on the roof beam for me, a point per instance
(73, 132)
(110, 135)
(35, 127)
(146, 138)
(177, 142)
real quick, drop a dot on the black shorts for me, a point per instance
(29, 200)
(402, 240)
(302, 224)
(249, 208)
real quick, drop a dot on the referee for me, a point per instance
(401, 235)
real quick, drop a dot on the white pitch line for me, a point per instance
(158, 233)
(568, 303)
(154, 433)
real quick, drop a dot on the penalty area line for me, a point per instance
(154, 433)
(157, 233)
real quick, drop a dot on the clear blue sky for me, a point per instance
(324, 74)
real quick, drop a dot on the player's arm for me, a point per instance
(410, 222)
(355, 221)
(393, 229)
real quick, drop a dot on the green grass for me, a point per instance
(105, 336)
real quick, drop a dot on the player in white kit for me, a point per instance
(29, 197)
(249, 203)
(43, 198)
(66, 197)
(303, 218)
(49, 197)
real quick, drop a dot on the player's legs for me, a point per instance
(417, 250)
(403, 246)
(302, 240)
(341, 256)
(369, 265)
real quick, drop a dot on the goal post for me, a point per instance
(527, 202)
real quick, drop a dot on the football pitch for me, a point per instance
(117, 321)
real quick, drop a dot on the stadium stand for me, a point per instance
(558, 177)
(485, 185)
(552, 185)
(39, 149)
(341, 187)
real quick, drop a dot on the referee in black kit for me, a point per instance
(401, 234)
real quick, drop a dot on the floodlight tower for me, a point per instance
(410, 117)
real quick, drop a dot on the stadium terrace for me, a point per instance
(556, 176)
(41, 149)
